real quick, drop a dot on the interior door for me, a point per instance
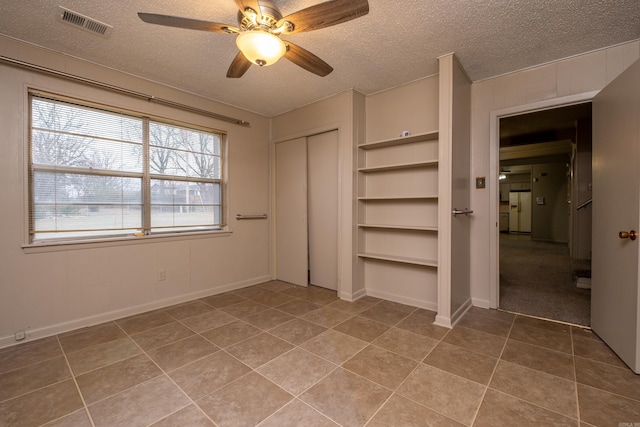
(291, 212)
(616, 205)
(322, 174)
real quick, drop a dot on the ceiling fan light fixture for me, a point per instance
(261, 47)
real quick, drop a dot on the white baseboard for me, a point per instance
(460, 312)
(414, 302)
(47, 331)
(482, 303)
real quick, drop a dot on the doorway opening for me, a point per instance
(545, 213)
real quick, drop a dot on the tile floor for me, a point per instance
(279, 355)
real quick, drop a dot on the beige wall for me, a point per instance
(48, 291)
(548, 84)
(344, 112)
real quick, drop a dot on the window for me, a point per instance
(99, 172)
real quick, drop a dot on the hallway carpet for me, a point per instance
(536, 278)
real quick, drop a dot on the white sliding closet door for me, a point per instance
(291, 212)
(322, 174)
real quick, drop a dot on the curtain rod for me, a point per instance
(124, 91)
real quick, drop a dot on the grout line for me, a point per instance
(575, 375)
(495, 368)
(73, 377)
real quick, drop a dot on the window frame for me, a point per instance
(146, 232)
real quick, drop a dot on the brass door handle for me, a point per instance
(633, 234)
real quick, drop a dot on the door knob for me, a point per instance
(633, 234)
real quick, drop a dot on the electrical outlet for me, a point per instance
(20, 335)
(162, 274)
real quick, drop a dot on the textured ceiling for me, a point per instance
(397, 42)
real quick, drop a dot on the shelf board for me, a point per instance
(400, 259)
(429, 136)
(399, 166)
(399, 227)
(392, 198)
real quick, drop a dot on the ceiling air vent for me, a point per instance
(84, 22)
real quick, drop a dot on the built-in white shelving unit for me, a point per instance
(397, 241)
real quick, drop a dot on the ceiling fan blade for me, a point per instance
(325, 14)
(307, 60)
(188, 23)
(239, 66)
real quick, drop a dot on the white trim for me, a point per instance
(494, 163)
(71, 325)
(414, 302)
(461, 311)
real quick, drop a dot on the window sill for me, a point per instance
(119, 241)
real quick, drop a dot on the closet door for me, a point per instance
(291, 212)
(322, 174)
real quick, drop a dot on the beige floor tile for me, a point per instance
(493, 314)
(405, 343)
(24, 380)
(480, 342)
(407, 309)
(253, 292)
(268, 319)
(445, 393)
(140, 405)
(501, 410)
(28, 353)
(421, 322)
(182, 352)
(296, 370)
(465, 363)
(244, 309)
(536, 387)
(209, 320)
(399, 411)
(191, 416)
(550, 361)
(326, 316)
(188, 309)
(595, 350)
(616, 380)
(79, 418)
(355, 307)
(231, 333)
(206, 375)
(601, 408)
(334, 346)
(301, 292)
(41, 406)
(346, 398)
(272, 299)
(109, 380)
(100, 355)
(542, 324)
(91, 336)
(384, 314)
(553, 340)
(584, 333)
(258, 350)
(162, 335)
(381, 366)
(142, 322)
(361, 328)
(485, 323)
(298, 307)
(295, 414)
(223, 300)
(297, 331)
(276, 286)
(244, 402)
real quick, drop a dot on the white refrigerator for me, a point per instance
(520, 212)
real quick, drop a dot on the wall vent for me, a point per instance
(84, 22)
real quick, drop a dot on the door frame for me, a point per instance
(494, 164)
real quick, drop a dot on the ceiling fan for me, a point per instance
(260, 25)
